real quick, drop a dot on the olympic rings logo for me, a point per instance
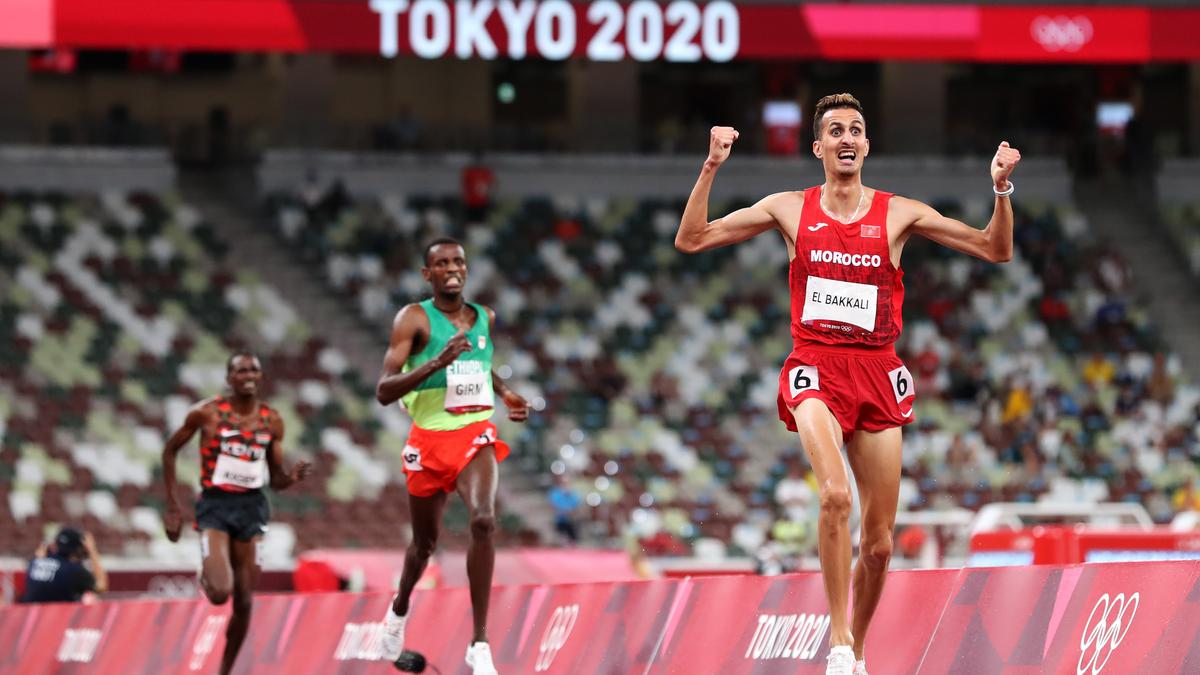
(1062, 33)
(562, 622)
(1099, 641)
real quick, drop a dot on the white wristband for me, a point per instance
(1007, 192)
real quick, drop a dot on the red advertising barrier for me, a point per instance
(1115, 618)
(781, 624)
(1064, 545)
(607, 30)
(379, 570)
(1111, 618)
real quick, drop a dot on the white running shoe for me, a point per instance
(860, 667)
(393, 634)
(840, 661)
(479, 658)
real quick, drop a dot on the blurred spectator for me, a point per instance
(787, 542)
(1019, 403)
(312, 190)
(565, 501)
(403, 132)
(960, 466)
(1161, 386)
(478, 179)
(1187, 497)
(1098, 370)
(57, 573)
(794, 495)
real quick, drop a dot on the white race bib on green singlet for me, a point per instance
(466, 387)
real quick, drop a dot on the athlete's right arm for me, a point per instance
(173, 518)
(410, 322)
(696, 232)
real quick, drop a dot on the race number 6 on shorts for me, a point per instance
(804, 378)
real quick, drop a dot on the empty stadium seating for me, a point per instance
(119, 313)
(1037, 379)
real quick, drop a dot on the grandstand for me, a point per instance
(1036, 383)
(172, 191)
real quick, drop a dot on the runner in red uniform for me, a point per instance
(842, 383)
(241, 450)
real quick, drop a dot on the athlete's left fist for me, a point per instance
(1003, 163)
(518, 408)
(300, 471)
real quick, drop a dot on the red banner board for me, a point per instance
(1065, 545)
(605, 30)
(25, 23)
(1111, 618)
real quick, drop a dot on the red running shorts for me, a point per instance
(434, 459)
(867, 389)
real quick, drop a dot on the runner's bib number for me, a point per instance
(467, 387)
(412, 458)
(841, 301)
(902, 383)
(238, 472)
(802, 379)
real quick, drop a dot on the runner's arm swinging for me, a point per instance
(518, 408)
(173, 516)
(281, 479)
(409, 323)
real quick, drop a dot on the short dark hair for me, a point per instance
(68, 542)
(438, 242)
(833, 102)
(237, 355)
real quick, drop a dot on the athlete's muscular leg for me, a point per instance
(216, 574)
(426, 515)
(875, 458)
(245, 577)
(477, 486)
(821, 436)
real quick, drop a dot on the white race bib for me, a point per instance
(412, 458)
(902, 383)
(842, 301)
(467, 387)
(238, 472)
(803, 378)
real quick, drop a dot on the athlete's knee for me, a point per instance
(483, 525)
(836, 502)
(217, 593)
(877, 549)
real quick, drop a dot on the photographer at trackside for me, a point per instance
(57, 573)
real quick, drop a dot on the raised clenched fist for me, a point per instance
(720, 141)
(454, 346)
(1003, 163)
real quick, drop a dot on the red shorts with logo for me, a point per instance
(866, 388)
(433, 459)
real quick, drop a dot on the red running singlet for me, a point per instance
(844, 287)
(235, 459)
